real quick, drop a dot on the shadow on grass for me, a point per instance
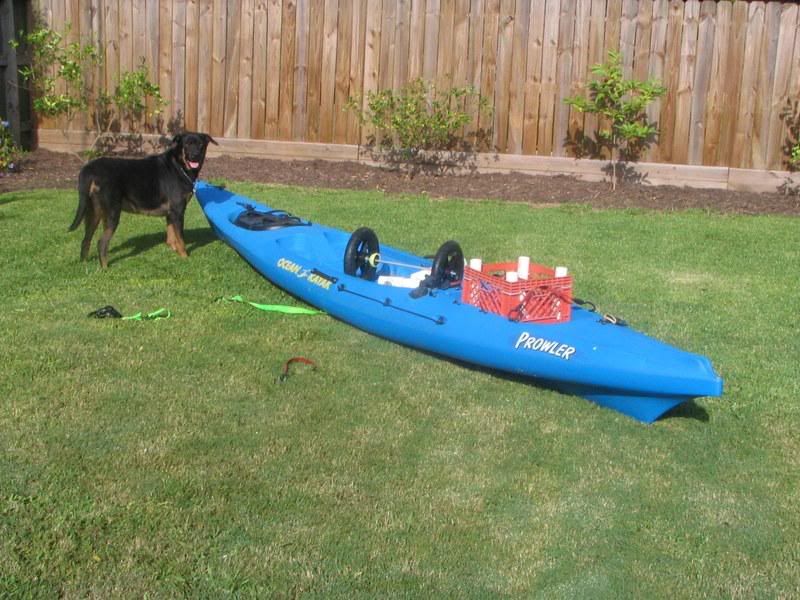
(194, 238)
(9, 197)
(688, 410)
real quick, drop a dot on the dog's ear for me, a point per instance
(177, 140)
(208, 138)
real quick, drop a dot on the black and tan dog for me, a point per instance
(159, 186)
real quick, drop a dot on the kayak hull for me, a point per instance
(614, 366)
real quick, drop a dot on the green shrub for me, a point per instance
(416, 118)
(10, 153)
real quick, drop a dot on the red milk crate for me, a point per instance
(542, 297)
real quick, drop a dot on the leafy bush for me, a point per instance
(621, 104)
(58, 79)
(10, 153)
(416, 118)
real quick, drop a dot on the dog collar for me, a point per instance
(186, 175)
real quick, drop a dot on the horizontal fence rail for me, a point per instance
(283, 70)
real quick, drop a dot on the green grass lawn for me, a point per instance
(162, 458)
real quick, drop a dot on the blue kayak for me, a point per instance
(418, 302)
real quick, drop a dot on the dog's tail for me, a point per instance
(83, 200)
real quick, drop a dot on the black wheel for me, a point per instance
(363, 244)
(448, 265)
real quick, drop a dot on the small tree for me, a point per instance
(56, 72)
(57, 77)
(415, 119)
(620, 103)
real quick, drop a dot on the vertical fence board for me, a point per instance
(218, 66)
(764, 86)
(151, 49)
(151, 38)
(342, 80)
(78, 12)
(516, 92)
(372, 42)
(732, 85)
(444, 60)
(328, 81)
(259, 103)
(205, 17)
(386, 58)
(627, 35)
(299, 116)
(595, 54)
(474, 68)
(566, 37)
(580, 69)
(288, 51)
(611, 40)
(191, 80)
(488, 52)
(672, 61)
(717, 73)
(430, 51)
(165, 72)
(644, 34)
(111, 45)
(461, 47)
(503, 73)
(244, 109)
(743, 138)
(402, 34)
(686, 69)
(316, 31)
(231, 65)
(416, 37)
(182, 77)
(126, 33)
(613, 25)
(274, 26)
(702, 76)
(356, 77)
(658, 42)
(533, 78)
(547, 95)
(137, 27)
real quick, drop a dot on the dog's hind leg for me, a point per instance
(110, 223)
(90, 212)
(92, 221)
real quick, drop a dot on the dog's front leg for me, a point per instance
(175, 233)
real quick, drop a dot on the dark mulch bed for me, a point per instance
(45, 169)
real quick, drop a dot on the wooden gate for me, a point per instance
(15, 106)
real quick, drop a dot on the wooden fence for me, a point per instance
(284, 69)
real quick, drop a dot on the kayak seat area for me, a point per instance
(258, 220)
